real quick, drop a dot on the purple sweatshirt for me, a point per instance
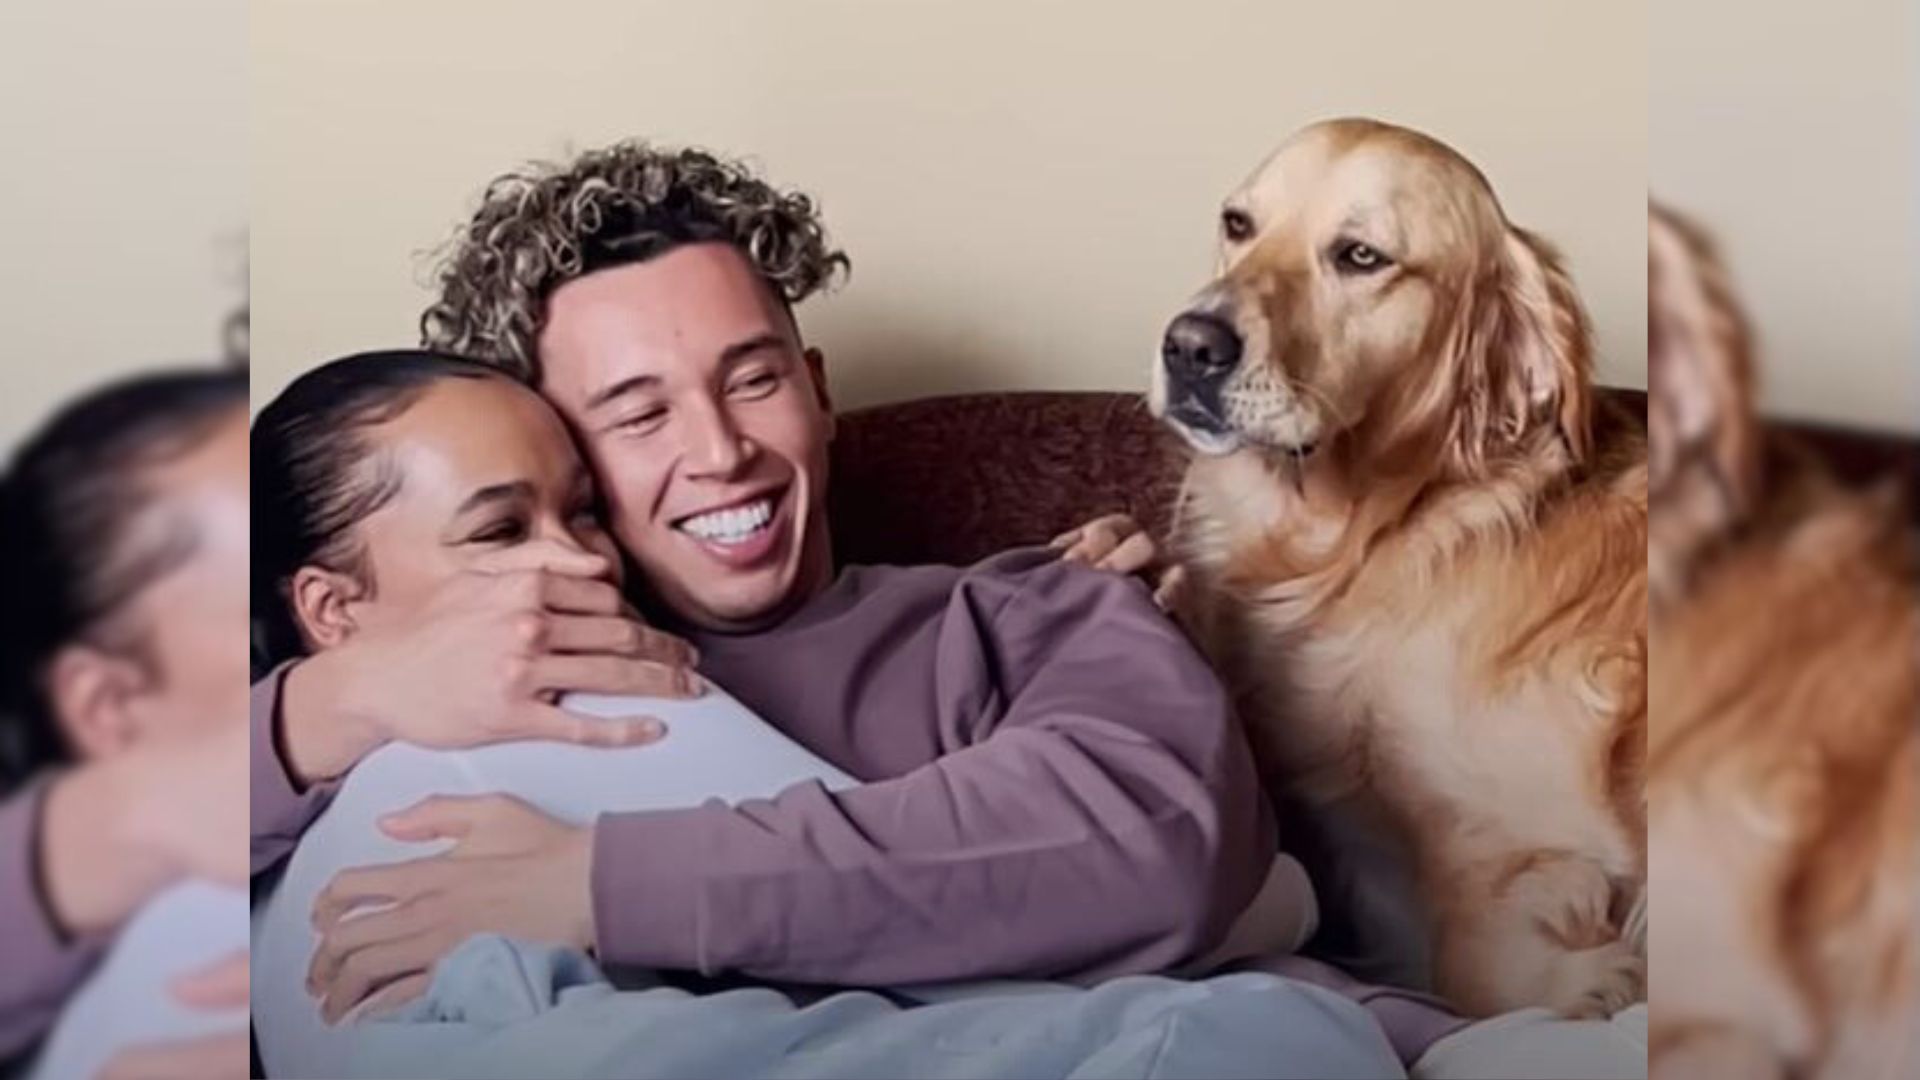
(38, 966)
(1054, 786)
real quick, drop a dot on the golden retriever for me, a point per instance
(1784, 747)
(1413, 560)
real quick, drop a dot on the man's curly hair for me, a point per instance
(537, 229)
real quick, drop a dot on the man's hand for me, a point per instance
(1116, 542)
(484, 660)
(213, 1057)
(117, 831)
(512, 870)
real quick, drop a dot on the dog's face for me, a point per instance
(1368, 279)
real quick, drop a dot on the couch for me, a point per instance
(954, 479)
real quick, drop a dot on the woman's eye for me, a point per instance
(500, 532)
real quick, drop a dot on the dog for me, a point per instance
(1784, 747)
(1413, 558)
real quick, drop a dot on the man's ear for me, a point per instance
(91, 693)
(817, 368)
(321, 602)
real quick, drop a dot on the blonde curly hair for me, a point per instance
(537, 229)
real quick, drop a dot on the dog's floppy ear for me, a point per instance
(1701, 410)
(1522, 358)
(1547, 347)
(1703, 432)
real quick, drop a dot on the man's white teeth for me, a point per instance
(731, 526)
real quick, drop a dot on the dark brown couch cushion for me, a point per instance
(955, 479)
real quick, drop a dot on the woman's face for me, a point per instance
(170, 660)
(483, 465)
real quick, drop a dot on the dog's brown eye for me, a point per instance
(1236, 225)
(1357, 257)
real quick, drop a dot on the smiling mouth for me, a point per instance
(735, 525)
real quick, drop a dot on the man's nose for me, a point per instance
(716, 446)
(1199, 349)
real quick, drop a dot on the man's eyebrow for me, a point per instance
(763, 340)
(766, 339)
(624, 386)
(518, 489)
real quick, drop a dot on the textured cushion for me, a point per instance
(955, 479)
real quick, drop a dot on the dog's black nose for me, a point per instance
(1199, 348)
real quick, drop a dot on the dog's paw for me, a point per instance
(1714, 1052)
(1597, 982)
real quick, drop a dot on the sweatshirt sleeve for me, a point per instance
(1106, 819)
(42, 966)
(281, 812)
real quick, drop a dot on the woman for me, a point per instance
(123, 760)
(377, 479)
(379, 476)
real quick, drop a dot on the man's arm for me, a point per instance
(1110, 822)
(480, 662)
(281, 805)
(42, 965)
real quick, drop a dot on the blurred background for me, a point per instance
(124, 537)
(1028, 190)
(1792, 132)
(124, 130)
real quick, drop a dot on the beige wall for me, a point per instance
(1027, 189)
(1793, 130)
(123, 130)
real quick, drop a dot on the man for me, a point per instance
(1056, 786)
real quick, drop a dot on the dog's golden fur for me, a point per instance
(1784, 752)
(1423, 574)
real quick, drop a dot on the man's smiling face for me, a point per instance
(707, 424)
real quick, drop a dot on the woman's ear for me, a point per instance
(321, 602)
(1547, 347)
(92, 694)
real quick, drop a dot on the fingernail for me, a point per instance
(651, 729)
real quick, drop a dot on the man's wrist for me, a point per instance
(96, 864)
(318, 730)
(580, 869)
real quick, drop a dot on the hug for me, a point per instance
(557, 662)
(1053, 782)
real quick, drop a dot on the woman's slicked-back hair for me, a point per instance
(316, 476)
(71, 554)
